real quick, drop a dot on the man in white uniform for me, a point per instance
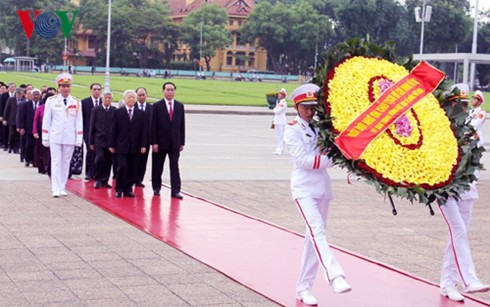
(311, 190)
(62, 130)
(457, 265)
(280, 121)
(478, 116)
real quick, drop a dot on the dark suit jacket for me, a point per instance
(87, 106)
(128, 136)
(10, 112)
(148, 111)
(26, 116)
(100, 126)
(167, 134)
(3, 102)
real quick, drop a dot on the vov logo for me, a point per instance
(46, 24)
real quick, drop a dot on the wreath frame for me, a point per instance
(470, 154)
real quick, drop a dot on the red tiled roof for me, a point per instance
(232, 7)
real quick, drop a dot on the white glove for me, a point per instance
(46, 143)
(78, 144)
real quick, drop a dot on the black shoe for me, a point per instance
(97, 185)
(106, 185)
(22, 160)
(156, 192)
(119, 194)
(27, 163)
(128, 194)
(178, 196)
(140, 184)
(5, 148)
(10, 150)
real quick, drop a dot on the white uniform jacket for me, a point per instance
(478, 116)
(62, 124)
(310, 178)
(280, 112)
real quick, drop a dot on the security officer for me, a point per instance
(62, 130)
(457, 265)
(311, 190)
(478, 115)
(280, 121)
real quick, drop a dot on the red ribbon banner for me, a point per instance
(392, 104)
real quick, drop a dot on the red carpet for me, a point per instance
(257, 254)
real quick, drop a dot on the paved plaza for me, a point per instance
(69, 252)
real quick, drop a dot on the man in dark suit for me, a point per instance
(26, 120)
(167, 138)
(10, 119)
(100, 128)
(4, 130)
(87, 105)
(145, 107)
(127, 141)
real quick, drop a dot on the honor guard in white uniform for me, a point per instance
(280, 121)
(311, 190)
(457, 265)
(62, 130)
(478, 116)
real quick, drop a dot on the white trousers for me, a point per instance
(61, 155)
(279, 138)
(316, 250)
(457, 264)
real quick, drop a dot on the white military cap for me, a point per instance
(283, 90)
(479, 95)
(36, 90)
(464, 89)
(64, 78)
(305, 94)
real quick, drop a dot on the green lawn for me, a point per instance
(189, 91)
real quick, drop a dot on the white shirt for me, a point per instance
(310, 178)
(280, 112)
(477, 119)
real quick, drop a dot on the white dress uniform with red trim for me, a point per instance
(478, 117)
(457, 265)
(311, 190)
(280, 122)
(62, 129)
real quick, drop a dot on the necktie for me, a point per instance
(130, 113)
(312, 128)
(64, 100)
(142, 107)
(96, 102)
(170, 110)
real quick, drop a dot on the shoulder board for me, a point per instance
(52, 97)
(292, 123)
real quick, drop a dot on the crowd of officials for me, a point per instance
(51, 130)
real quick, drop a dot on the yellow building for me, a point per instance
(237, 57)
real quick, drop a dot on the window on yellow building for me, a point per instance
(229, 58)
(91, 42)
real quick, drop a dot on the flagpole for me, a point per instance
(107, 84)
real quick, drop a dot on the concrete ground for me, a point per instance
(68, 252)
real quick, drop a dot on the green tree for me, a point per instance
(382, 20)
(289, 34)
(449, 26)
(213, 20)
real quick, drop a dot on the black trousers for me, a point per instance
(28, 147)
(142, 166)
(127, 166)
(103, 163)
(13, 138)
(5, 135)
(89, 162)
(158, 160)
